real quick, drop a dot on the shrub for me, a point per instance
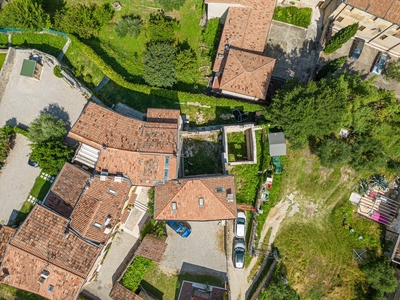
(57, 71)
(46, 128)
(341, 37)
(160, 28)
(331, 67)
(135, 272)
(393, 71)
(333, 152)
(6, 136)
(128, 25)
(21, 131)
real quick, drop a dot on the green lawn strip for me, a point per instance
(11, 293)
(264, 272)
(48, 43)
(237, 149)
(293, 15)
(135, 272)
(3, 41)
(247, 178)
(165, 286)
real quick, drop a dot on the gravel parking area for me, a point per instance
(24, 98)
(363, 64)
(16, 179)
(200, 253)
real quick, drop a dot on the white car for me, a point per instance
(240, 225)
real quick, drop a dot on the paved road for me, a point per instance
(201, 252)
(16, 179)
(24, 98)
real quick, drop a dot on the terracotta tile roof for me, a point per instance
(246, 73)
(187, 192)
(5, 235)
(191, 291)
(104, 199)
(66, 189)
(99, 126)
(119, 292)
(151, 248)
(44, 235)
(171, 116)
(385, 9)
(142, 168)
(246, 28)
(25, 270)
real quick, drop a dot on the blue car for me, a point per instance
(179, 228)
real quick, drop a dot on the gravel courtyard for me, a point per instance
(24, 98)
(16, 179)
(201, 253)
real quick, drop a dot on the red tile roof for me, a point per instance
(67, 189)
(142, 168)
(385, 9)
(246, 28)
(25, 270)
(44, 235)
(5, 235)
(104, 199)
(99, 126)
(246, 73)
(187, 192)
(119, 292)
(151, 248)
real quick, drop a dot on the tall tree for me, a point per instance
(46, 128)
(160, 28)
(341, 37)
(331, 67)
(393, 70)
(333, 152)
(24, 14)
(128, 25)
(380, 276)
(159, 64)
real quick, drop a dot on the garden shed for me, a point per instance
(277, 144)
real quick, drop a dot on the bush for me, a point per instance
(333, 152)
(128, 25)
(169, 5)
(46, 128)
(293, 15)
(161, 28)
(6, 136)
(393, 71)
(135, 272)
(341, 37)
(57, 71)
(331, 67)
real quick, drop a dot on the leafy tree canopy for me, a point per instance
(333, 152)
(161, 28)
(277, 290)
(331, 67)
(341, 37)
(380, 276)
(128, 25)
(159, 64)
(46, 128)
(83, 20)
(393, 70)
(24, 14)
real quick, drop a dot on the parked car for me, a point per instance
(238, 253)
(240, 225)
(380, 63)
(179, 228)
(357, 49)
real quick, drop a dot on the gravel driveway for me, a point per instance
(24, 98)
(201, 253)
(16, 179)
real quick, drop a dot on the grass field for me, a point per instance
(3, 41)
(10, 293)
(293, 15)
(43, 42)
(316, 247)
(237, 149)
(2, 59)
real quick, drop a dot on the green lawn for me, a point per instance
(316, 247)
(237, 149)
(165, 286)
(3, 41)
(43, 42)
(293, 15)
(10, 293)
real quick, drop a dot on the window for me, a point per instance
(350, 8)
(374, 19)
(166, 164)
(201, 202)
(340, 19)
(219, 189)
(174, 206)
(361, 28)
(382, 37)
(112, 191)
(95, 224)
(50, 288)
(166, 174)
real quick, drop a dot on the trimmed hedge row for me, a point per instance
(183, 97)
(135, 272)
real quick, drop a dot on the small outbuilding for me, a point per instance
(277, 144)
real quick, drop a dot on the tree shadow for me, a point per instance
(125, 263)
(12, 122)
(148, 288)
(58, 112)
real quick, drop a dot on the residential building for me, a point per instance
(145, 151)
(202, 198)
(240, 67)
(60, 245)
(379, 21)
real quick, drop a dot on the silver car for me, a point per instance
(380, 63)
(238, 253)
